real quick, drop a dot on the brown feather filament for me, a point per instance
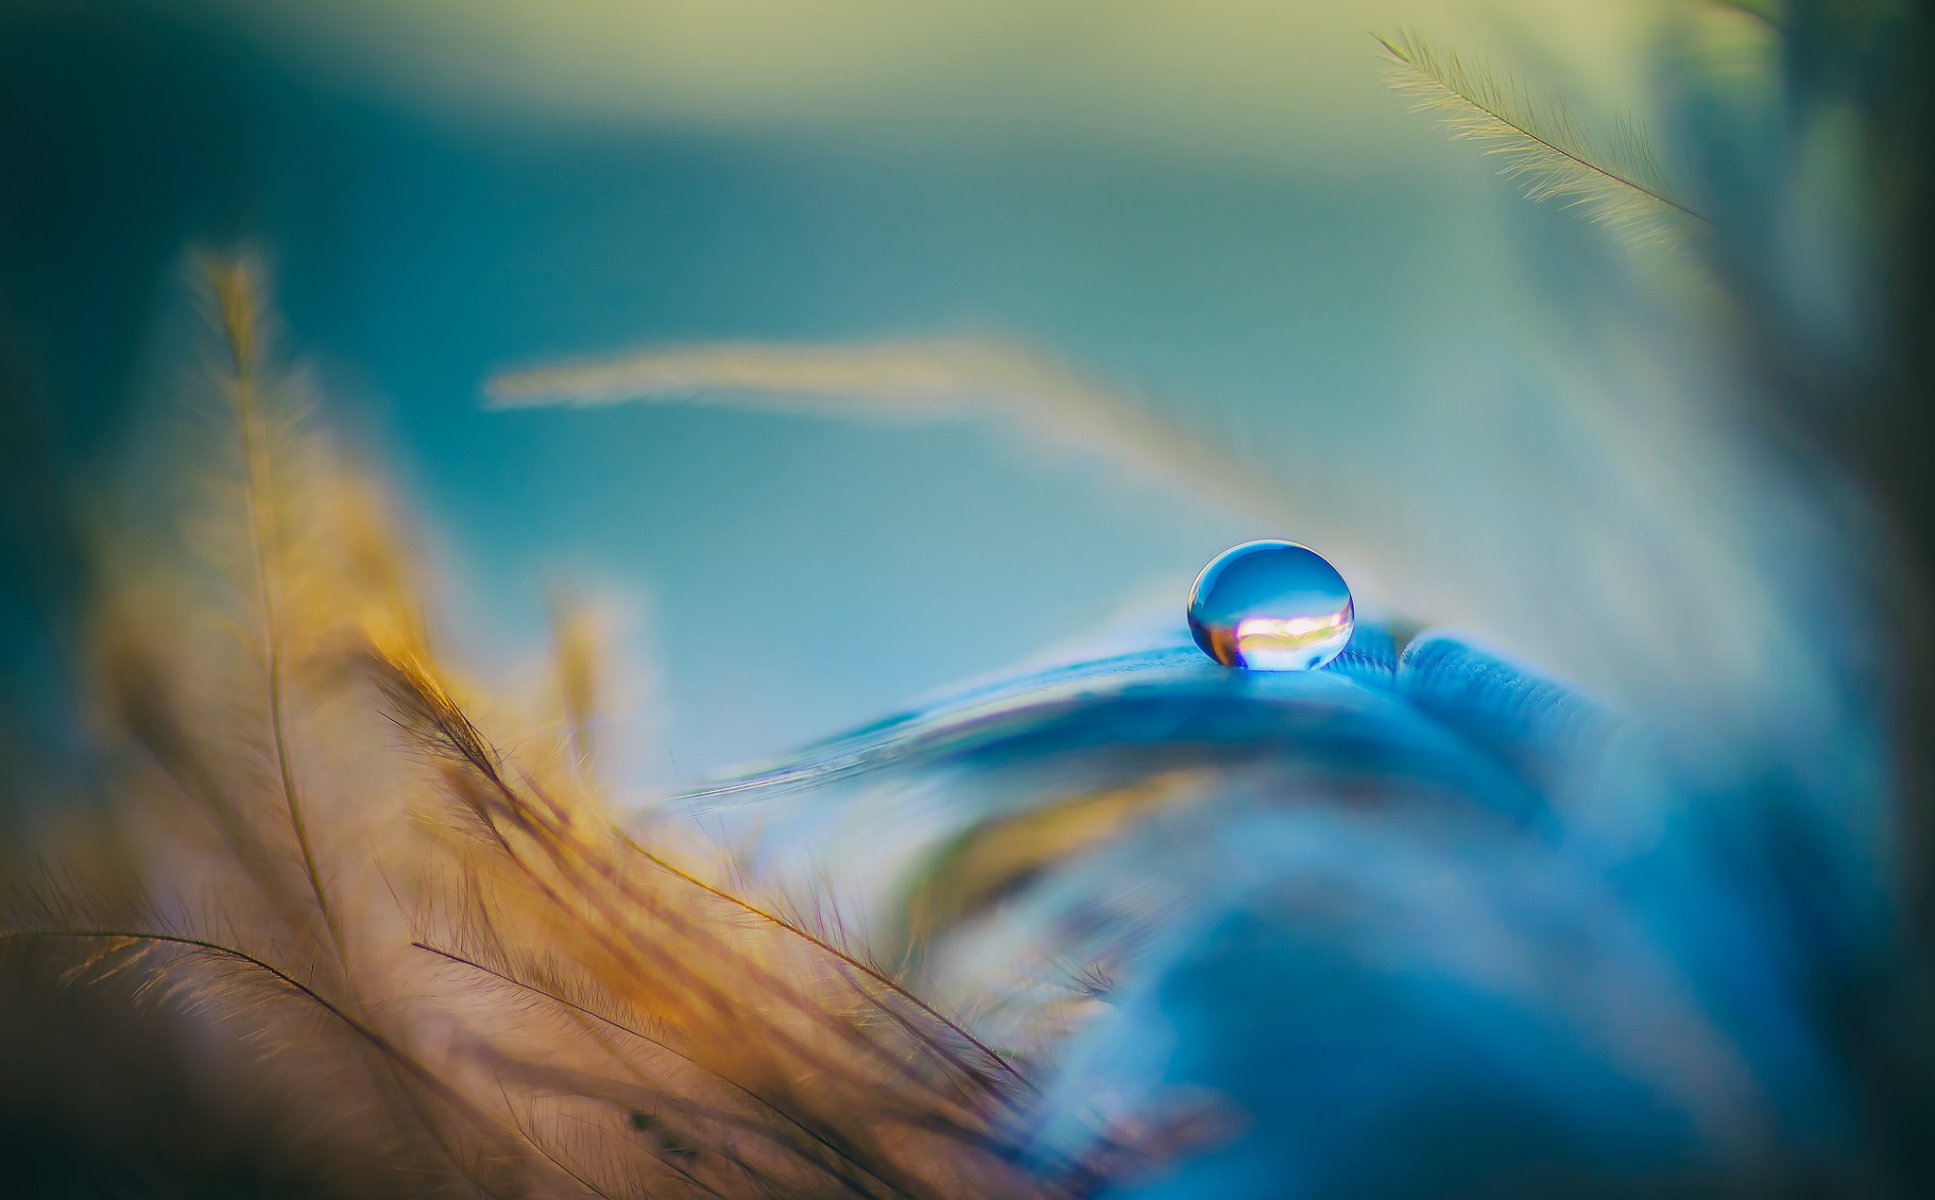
(550, 1003)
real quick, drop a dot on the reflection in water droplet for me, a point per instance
(1271, 606)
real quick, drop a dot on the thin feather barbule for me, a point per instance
(1614, 177)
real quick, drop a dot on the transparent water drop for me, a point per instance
(1271, 606)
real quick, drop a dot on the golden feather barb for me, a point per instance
(1615, 178)
(326, 826)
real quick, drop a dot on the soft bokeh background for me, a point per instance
(1219, 208)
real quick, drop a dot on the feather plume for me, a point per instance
(1615, 178)
(488, 984)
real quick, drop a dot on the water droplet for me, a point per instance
(1271, 606)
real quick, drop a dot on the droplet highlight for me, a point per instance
(1271, 606)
